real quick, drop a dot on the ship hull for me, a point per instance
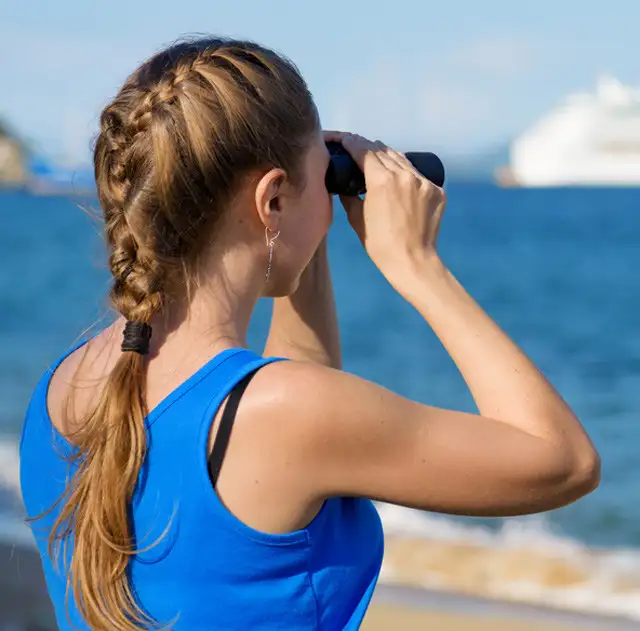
(589, 140)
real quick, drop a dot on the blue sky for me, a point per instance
(455, 75)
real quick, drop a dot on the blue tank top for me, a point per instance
(210, 570)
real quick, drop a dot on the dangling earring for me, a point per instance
(270, 244)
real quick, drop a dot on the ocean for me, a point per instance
(555, 268)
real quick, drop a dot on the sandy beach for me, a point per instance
(411, 609)
(25, 606)
(383, 618)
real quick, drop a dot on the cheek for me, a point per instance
(329, 211)
(316, 217)
(313, 219)
(323, 209)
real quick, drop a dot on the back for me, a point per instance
(207, 569)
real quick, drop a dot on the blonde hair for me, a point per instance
(171, 152)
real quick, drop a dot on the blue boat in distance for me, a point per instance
(46, 178)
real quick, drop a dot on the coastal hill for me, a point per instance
(21, 166)
(13, 158)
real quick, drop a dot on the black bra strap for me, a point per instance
(221, 440)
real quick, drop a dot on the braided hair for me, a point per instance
(172, 148)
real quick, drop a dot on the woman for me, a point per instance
(210, 168)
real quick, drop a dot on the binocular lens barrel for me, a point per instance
(344, 177)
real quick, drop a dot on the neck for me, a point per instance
(218, 310)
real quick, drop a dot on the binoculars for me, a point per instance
(344, 177)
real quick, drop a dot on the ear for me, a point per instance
(269, 198)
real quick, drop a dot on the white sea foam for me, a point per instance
(523, 561)
(12, 527)
(9, 466)
(532, 531)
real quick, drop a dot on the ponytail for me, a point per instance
(111, 449)
(174, 146)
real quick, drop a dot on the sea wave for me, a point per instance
(524, 561)
(12, 525)
(9, 466)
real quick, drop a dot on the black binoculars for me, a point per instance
(344, 177)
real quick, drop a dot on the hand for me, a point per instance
(399, 220)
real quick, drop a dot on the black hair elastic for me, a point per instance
(136, 337)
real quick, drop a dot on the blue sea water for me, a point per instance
(557, 269)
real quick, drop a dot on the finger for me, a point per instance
(384, 157)
(393, 159)
(363, 151)
(353, 206)
(400, 160)
(438, 216)
(333, 135)
(352, 203)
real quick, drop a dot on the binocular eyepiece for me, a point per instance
(344, 177)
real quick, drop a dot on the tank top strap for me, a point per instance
(207, 397)
(182, 431)
(201, 394)
(199, 398)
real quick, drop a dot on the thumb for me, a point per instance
(353, 205)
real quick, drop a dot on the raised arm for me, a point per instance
(338, 434)
(525, 452)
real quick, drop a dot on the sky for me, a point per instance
(455, 76)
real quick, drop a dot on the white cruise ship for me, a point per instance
(589, 140)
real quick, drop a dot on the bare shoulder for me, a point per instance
(291, 444)
(315, 382)
(321, 396)
(330, 424)
(77, 382)
(337, 434)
